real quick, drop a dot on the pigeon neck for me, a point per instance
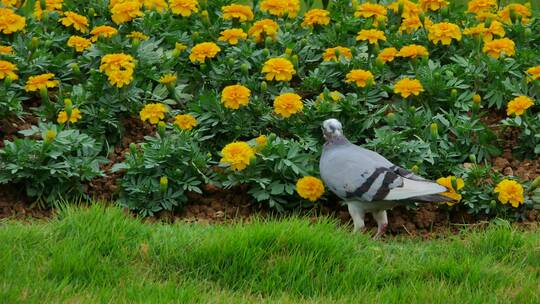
(337, 140)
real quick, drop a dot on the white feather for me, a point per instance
(413, 188)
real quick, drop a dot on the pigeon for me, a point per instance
(369, 183)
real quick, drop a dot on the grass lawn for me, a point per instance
(98, 255)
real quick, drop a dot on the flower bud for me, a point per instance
(75, 68)
(230, 61)
(194, 35)
(161, 128)
(354, 4)
(434, 130)
(205, 17)
(453, 93)
(527, 32)
(68, 104)
(288, 52)
(34, 43)
(535, 184)
(444, 11)
(8, 81)
(472, 158)
(92, 12)
(477, 98)
(264, 86)
(294, 60)
(337, 26)
(136, 42)
(390, 117)
(268, 41)
(415, 169)
(244, 68)
(265, 52)
(133, 148)
(50, 135)
(163, 184)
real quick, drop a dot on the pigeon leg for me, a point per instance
(358, 215)
(382, 222)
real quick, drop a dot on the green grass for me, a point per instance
(98, 255)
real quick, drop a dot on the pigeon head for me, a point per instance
(332, 129)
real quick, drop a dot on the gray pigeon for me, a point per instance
(368, 182)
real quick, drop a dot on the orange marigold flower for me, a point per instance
(432, 5)
(8, 69)
(369, 10)
(481, 6)
(498, 47)
(407, 87)
(120, 78)
(79, 22)
(79, 43)
(159, 5)
(234, 96)
(511, 192)
(116, 62)
(237, 11)
(331, 54)
(50, 6)
(413, 51)
(519, 105)
(280, 8)
(126, 11)
(310, 188)
(263, 27)
(410, 9)
(476, 30)
(200, 52)
(452, 192)
(184, 7)
(444, 32)
(232, 35)
(102, 31)
(43, 81)
(6, 49)
(518, 9)
(410, 25)
(279, 69)
(372, 36)
(288, 104)
(387, 54)
(185, 121)
(316, 16)
(360, 77)
(153, 112)
(238, 155)
(534, 72)
(10, 22)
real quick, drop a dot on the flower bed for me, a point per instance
(226, 94)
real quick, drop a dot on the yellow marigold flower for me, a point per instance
(519, 105)
(185, 121)
(519, 10)
(413, 51)
(372, 36)
(10, 3)
(7, 69)
(511, 192)
(387, 54)
(310, 188)
(167, 79)
(476, 30)
(451, 193)
(50, 6)
(410, 24)
(534, 72)
(331, 54)
(444, 32)
(200, 52)
(137, 36)
(496, 28)
(477, 98)
(63, 116)
(369, 10)
(360, 77)
(316, 16)
(116, 62)
(432, 5)
(261, 142)
(79, 43)
(483, 16)
(159, 5)
(498, 47)
(237, 11)
(35, 83)
(153, 112)
(10, 22)
(6, 49)
(184, 7)
(79, 22)
(480, 6)
(410, 9)
(126, 11)
(280, 7)
(120, 78)
(335, 96)
(279, 69)
(238, 155)
(102, 31)
(234, 96)
(407, 87)
(265, 27)
(232, 35)
(50, 135)
(288, 104)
